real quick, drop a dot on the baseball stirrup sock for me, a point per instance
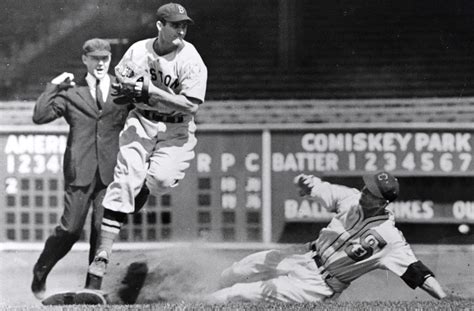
(110, 229)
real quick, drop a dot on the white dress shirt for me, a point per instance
(104, 85)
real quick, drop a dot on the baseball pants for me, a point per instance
(273, 276)
(151, 152)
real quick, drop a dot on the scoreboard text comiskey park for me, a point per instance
(433, 153)
(240, 184)
(326, 153)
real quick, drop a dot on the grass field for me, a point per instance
(455, 305)
(179, 276)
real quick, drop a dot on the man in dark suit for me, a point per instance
(91, 153)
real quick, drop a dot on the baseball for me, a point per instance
(464, 229)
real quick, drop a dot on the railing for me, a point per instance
(425, 110)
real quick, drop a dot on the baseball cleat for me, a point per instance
(93, 282)
(38, 285)
(96, 271)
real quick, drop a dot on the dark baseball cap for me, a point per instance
(96, 47)
(383, 185)
(173, 12)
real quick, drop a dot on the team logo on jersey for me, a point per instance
(126, 72)
(194, 70)
(365, 246)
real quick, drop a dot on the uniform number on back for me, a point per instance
(365, 246)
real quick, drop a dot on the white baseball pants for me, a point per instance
(273, 276)
(153, 152)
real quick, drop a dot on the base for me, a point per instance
(84, 297)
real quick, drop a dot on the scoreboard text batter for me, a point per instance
(225, 194)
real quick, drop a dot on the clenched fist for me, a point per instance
(64, 80)
(306, 183)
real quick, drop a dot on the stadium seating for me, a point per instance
(448, 110)
(338, 111)
(349, 50)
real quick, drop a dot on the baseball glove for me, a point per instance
(132, 83)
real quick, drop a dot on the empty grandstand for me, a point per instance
(262, 50)
(278, 70)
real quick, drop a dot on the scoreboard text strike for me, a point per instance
(240, 184)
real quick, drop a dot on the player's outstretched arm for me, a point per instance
(432, 287)
(418, 275)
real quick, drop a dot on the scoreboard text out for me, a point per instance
(225, 194)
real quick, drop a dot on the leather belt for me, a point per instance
(330, 280)
(155, 116)
(319, 262)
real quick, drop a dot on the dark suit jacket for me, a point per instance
(93, 139)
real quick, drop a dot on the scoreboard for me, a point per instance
(240, 184)
(355, 152)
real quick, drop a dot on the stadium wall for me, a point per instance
(239, 187)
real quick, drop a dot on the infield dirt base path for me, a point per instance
(184, 272)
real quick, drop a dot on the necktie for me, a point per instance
(98, 95)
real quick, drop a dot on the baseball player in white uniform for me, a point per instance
(360, 238)
(158, 140)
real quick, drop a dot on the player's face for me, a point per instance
(173, 32)
(98, 66)
(370, 201)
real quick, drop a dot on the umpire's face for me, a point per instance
(98, 66)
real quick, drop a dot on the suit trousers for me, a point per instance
(77, 201)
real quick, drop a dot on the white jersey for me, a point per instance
(180, 72)
(352, 245)
(151, 151)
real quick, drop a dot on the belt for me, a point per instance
(319, 262)
(155, 116)
(332, 281)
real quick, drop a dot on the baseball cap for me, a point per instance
(173, 12)
(383, 185)
(96, 47)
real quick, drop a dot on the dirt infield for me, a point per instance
(182, 273)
